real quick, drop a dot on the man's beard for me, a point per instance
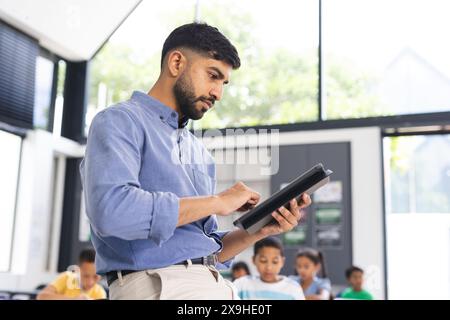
(186, 100)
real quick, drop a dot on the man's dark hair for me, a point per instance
(203, 39)
(268, 242)
(87, 255)
(349, 271)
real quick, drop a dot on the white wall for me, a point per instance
(367, 199)
(418, 251)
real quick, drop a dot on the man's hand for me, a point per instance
(286, 219)
(238, 240)
(237, 198)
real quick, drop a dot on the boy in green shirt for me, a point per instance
(355, 277)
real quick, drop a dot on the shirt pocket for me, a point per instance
(203, 183)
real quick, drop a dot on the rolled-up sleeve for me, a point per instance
(116, 204)
(225, 264)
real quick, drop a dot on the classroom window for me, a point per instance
(9, 172)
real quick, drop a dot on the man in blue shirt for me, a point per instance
(149, 184)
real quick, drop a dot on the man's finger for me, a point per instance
(254, 196)
(295, 210)
(288, 216)
(306, 201)
(284, 224)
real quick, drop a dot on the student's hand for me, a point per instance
(237, 198)
(287, 219)
(83, 297)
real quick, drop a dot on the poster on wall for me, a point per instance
(295, 237)
(329, 215)
(331, 192)
(329, 237)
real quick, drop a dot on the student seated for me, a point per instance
(355, 278)
(270, 285)
(239, 269)
(308, 264)
(80, 285)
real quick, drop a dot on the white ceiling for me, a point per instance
(72, 29)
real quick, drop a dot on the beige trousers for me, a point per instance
(177, 282)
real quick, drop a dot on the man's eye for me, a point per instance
(213, 76)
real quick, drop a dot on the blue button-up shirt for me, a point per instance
(137, 166)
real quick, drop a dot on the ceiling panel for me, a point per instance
(73, 29)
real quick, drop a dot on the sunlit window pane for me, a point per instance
(418, 215)
(43, 92)
(386, 57)
(9, 167)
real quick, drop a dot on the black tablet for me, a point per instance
(261, 215)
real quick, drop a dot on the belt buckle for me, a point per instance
(210, 260)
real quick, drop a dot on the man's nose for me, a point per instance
(216, 92)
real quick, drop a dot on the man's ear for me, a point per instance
(176, 63)
(283, 260)
(254, 259)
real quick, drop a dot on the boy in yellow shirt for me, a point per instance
(80, 285)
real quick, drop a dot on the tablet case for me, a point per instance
(261, 215)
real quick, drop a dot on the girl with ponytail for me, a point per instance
(308, 264)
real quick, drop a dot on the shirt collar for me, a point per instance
(165, 113)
